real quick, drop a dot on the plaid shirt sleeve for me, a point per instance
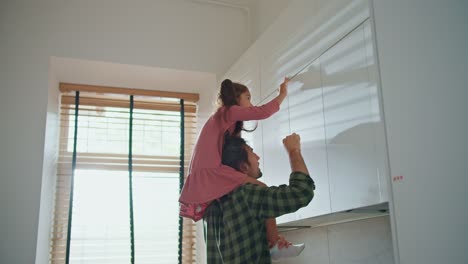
(275, 201)
(235, 223)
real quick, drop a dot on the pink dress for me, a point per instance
(208, 179)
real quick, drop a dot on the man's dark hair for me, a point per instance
(234, 153)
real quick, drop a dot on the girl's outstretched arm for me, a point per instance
(238, 113)
(283, 91)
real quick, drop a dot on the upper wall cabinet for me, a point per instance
(376, 115)
(276, 167)
(307, 120)
(333, 104)
(302, 34)
(247, 71)
(350, 125)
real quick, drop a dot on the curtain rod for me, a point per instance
(69, 87)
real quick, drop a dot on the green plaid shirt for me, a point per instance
(235, 224)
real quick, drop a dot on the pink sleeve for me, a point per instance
(237, 113)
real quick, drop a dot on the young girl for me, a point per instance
(208, 179)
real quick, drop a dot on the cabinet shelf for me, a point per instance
(378, 210)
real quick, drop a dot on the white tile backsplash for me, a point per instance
(316, 245)
(359, 242)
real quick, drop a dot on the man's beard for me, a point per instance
(260, 174)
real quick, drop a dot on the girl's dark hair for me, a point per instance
(234, 152)
(228, 96)
(229, 93)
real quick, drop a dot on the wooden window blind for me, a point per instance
(124, 177)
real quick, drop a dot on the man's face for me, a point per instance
(252, 169)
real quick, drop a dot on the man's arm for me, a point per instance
(292, 143)
(278, 200)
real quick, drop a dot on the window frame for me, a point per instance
(189, 104)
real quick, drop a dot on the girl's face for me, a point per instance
(244, 99)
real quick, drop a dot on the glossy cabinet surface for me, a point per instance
(307, 120)
(247, 72)
(333, 104)
(276, 167)
(251, 78)
(377, 115)
(349, 126)
(314, 27)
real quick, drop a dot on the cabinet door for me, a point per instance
(287, 56)
(377, 116)
(349, 126)
(307, 120)
(251, 79)
(275, 159)
(247, 71)
(302, 33)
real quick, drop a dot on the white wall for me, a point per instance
(261, 13)
(264, 13)
(171, 34)
(49, 171)
(422, 49)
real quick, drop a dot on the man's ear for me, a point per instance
(244, 167)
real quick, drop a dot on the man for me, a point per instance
(235, 223)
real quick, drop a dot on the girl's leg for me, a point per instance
(271, 228)
(280, 248)
(272, 232)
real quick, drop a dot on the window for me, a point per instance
(121, 168)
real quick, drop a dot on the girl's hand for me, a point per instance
(283, 90)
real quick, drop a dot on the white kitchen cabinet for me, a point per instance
(251, 79)
(333, 104)
(376, 115)
(276, 166)
(302, 34)
(349, 126)
(247, 71)
(307, 120)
